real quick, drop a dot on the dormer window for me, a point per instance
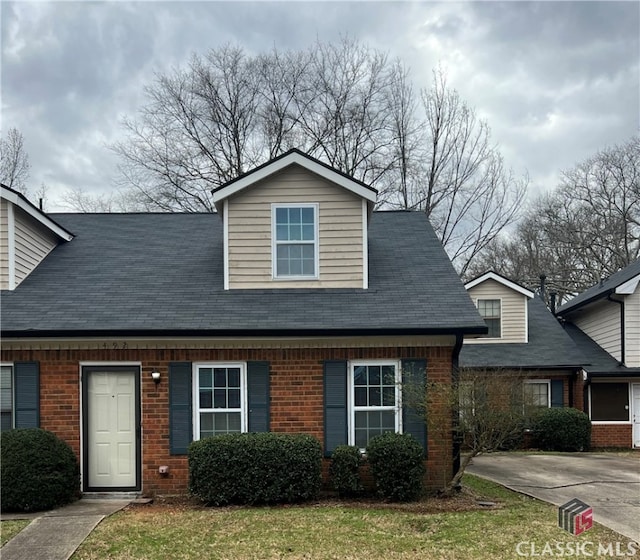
(295, 241)
(490, 311)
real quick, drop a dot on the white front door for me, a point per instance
(111, 429)
(635, 413)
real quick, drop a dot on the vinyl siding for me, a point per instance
(4, 246)
(33, 243)
(513, 311)
(340, 231)
(601, 322)
(632, 328)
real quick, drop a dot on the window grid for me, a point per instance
(219, 399)
(537, 393)
(375, 401)
(295, 241)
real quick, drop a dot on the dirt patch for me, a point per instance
(465, 500)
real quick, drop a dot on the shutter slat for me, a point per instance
(414, 373)
(258, 397)
(27, 394)
(335, 405)
(180, 415)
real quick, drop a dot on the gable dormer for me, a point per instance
(504, 306)
(27, 236)
(295, 223)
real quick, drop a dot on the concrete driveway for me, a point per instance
(608, 482)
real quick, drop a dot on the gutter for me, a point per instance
(622, 331)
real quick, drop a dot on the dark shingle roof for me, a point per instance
(598, 360)
(602, 289)
(163, 273)
(548, 347)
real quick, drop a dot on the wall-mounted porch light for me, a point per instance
(155, 375)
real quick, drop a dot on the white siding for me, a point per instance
(340, 231)
(33, 243)
(4, 246)
(513, 311)
(601, 321)
(632, 328)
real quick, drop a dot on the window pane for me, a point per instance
(282, 216)
(610, 402)
(205, 377)
(308, 267)
(360, 394)
(206, 424)
(5, 389)
(295, 232)
(374, 375)
(388, 396)
(206, 399)
(307, 216)
(220, 377)
(282, 232)
(308, 233)
(537, 394)
(234, 398)
(360, 375)
(375, 396)
(388, 420)
(295, 215)
(389, 375)
(234, 377)
(219, 398)
(494, 328)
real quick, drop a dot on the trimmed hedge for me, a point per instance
(397, 466)
(39, 471)
(255, 468)
(562, 429)
(344, 471)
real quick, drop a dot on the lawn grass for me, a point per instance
(10, 528)
(332, 530)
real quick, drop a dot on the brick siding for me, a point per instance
(296, 398)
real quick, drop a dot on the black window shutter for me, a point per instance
(557, 393)
(335, 405)
(180, 417)
(27, 394)
(258, 396)
(414, 376)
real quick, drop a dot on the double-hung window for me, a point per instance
(375, 399)
(537, 393)
(295, 240)
(490, 311)
(6, 397)
(220, 399)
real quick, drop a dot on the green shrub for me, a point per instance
(255, 468)
(344, 471)
(39, 471)
(562, 429)
(397, 466)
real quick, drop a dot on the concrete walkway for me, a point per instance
(56, 534)
(607, 482)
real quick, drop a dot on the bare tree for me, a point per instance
(585, 230)
(486, 409)
(14, 161)
(78, 200)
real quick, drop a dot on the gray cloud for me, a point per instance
(555, 80)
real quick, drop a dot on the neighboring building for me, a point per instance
(604, 322)
(295, 308)
(523, 337)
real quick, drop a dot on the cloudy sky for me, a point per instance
(556, 81)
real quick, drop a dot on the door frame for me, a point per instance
(85, 370)
(635, 386)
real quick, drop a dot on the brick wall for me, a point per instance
(611, 435)
(296, 398)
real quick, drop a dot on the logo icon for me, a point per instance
(575, 516)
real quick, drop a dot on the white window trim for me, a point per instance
(196, 394)
(485, 338)
(13, 391)
(352, 408)
(316, 241)
(613, 422)
(547, 382)
(365, 245)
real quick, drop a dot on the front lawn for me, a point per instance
(433, 529)
(10, 528)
